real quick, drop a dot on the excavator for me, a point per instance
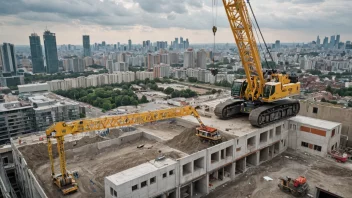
(262, 95)
(65, 180)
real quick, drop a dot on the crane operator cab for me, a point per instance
(209, 134)
(238, 88)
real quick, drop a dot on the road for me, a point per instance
(205, 86)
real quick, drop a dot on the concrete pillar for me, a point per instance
(257, 155)
(233, 171)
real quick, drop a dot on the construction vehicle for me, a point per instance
(298, 187)
(65, 179)
(262, 95)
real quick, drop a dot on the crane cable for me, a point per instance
(260, 45)
(214, 29)
(255, 19)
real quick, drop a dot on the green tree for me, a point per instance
(168, 90)
(323, 100)
(229, 67)
(82, 115)
(329, 89)
(144, 99)
(213, 91)
(192, 79)
(299, 71)
(126, 100)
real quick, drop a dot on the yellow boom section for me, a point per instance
(241, 27)
(60, 129)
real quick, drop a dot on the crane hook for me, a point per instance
(214, 29)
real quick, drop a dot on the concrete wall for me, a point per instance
(192, 166)
(26, 180)
(330, 113)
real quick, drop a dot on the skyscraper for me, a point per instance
(337, 40)
(86, 46)
(8, 58)
(277, 44)
(36, 54)
(176, 43)
(52, 61)
(332, 41)
(326, 42)
(129, 44)
(318, 41)
(188, 59)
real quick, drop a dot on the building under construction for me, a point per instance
(165, 158)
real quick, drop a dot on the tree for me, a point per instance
(229, 67)
(126, 100)
(323, 100)
(329, 89)
(299, 71)
(213, 91)
(82, 115)
(168, 90)
(144, 99)
(192, 79)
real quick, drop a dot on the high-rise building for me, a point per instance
(36, 54)
(103, 43)
(52, 61)
(318, 41)
(277, 44)
(8, 58)
(86, 46)
(201, 59)
(129, 44)
(176, 43)
(188, 59)
(162, 70)
(326, 42)
(173, 56)
(332, 41)
(337, 42)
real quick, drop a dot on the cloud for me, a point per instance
(301, 15)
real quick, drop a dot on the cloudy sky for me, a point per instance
(118, 20)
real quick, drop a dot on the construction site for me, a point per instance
(166, 159)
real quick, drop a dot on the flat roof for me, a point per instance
(315, 122)
(30, 85)
(138, 171)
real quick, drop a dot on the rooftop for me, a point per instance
(15, 105)
(138, 171)
(315, 122)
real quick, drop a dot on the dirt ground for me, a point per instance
(188, 142)
(321, 172)
(93, 166)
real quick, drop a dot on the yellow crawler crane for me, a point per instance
(65, 180)
(262, 94)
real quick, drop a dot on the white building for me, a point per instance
(162, 70)
(31, 88)
(180, 74)
(120, 66)
(201, 59)
(142, 75)
(164, 58)
(313, 136)
(109, 65)
(188, 59)
(173, 58)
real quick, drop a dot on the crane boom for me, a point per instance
(241, 26)
(61, 129)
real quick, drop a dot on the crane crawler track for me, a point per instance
(228, 109)
(274, 112)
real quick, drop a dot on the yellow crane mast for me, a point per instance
(262, 94)
(65, 180)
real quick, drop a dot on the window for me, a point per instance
(135, 187)
(143, 184)
(152, 180)
(164, 175)
(317, 148)
(111, 191)
(304, 144)
(115, 193)
(238, 149)
(171, 172)
(315, 109)
(5, 160)
(333, 133)
(237, 141)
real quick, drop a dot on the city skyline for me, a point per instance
(284, 20)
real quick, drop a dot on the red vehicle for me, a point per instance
(339, 156)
